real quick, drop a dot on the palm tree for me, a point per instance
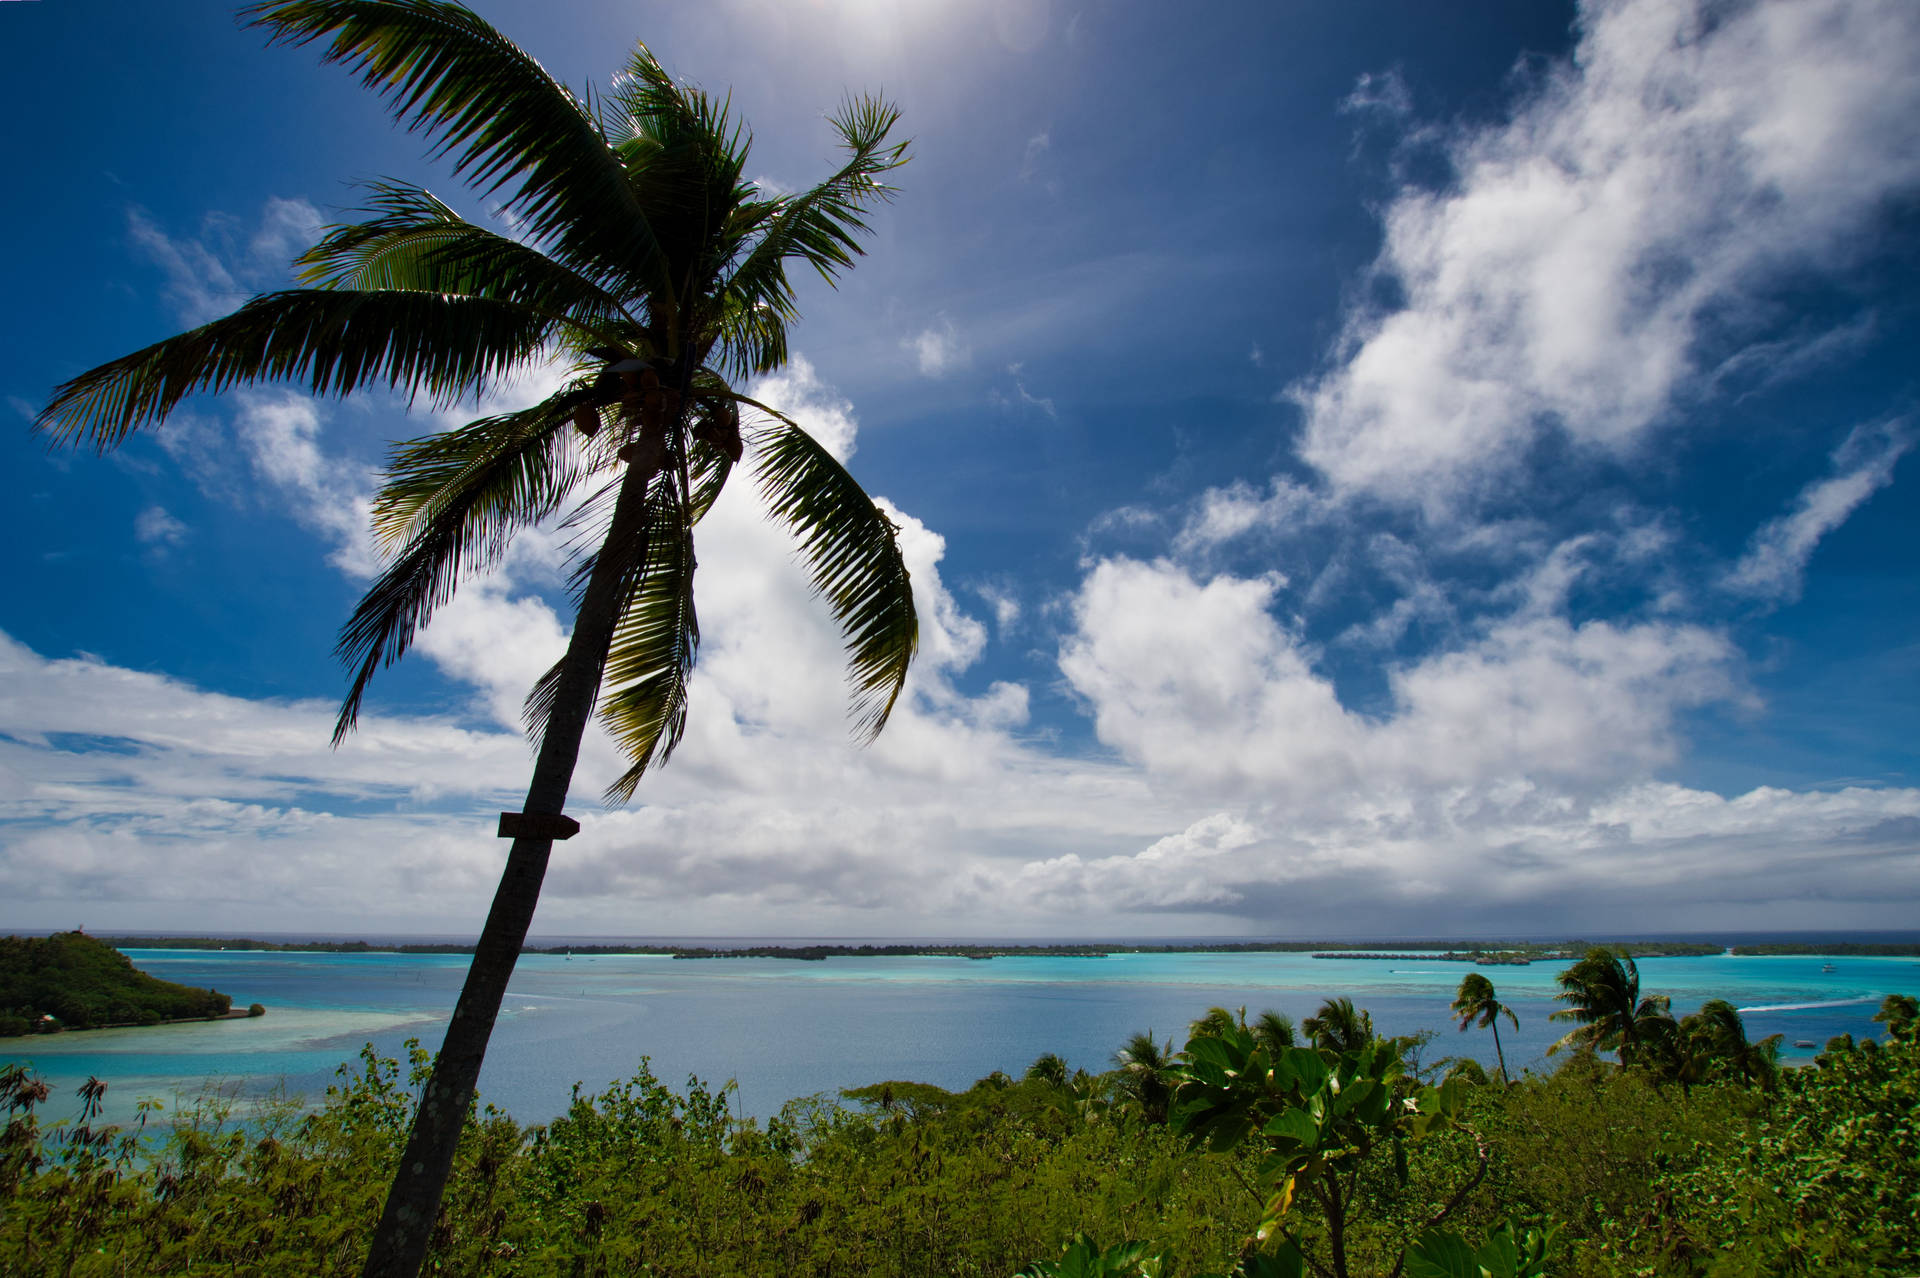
(1602, 992)
(1719, 1025)
(1146, 1075)
(1047, 1068)
(1273, 1031)
(1337, 1027)
(1217, 1021)
(646, 264)
(1475, 1003)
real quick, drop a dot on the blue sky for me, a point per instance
(1368, 468)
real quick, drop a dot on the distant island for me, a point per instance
(1836, 949)
(1486, 953)
(74, 981)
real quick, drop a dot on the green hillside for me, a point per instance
(83, 983)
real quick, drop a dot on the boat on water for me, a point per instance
(1829, 968)
(1803, 1042)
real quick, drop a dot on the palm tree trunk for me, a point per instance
(1500, 1054)
(406, 1225)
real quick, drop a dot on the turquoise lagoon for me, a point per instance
(781, 1029)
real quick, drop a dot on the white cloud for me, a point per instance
(1037, 147)
(1021, 398)
(938, 349)
(280, 433)
(199, 286)
(1005, 605)
(822, 412)
(1197, 680)
(155, 527)
(1516, 770)
(1379, 92)
(125, 792)
(1686, 156)
(1776, 558)
(212, 273)
(288, 228)
(1226, 514)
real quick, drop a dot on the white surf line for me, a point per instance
(574, 998)
(1808, 1007)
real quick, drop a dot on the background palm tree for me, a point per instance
(1602, 991)
(1719, 1025)
(1047, 1068)
(1273, 1031)
(1217, 1021)
(1476, 1003)
(1338, 1027)
(648, 267)
(1146, 1076)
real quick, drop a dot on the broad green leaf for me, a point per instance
(1307, 1067)
(1209, 1050)
(1441, 1254)
(1294, 1125)
(1356, 1094)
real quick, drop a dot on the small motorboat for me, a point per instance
(1803, 1042)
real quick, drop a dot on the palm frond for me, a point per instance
(714, 442)
(655, 641)
(655, 644)
(684, 159)
(323, 341)
(853, 555)
(751, 337)
(452, 502)
(448, 73)
(417, 243)
(708, 468)
(821, 227)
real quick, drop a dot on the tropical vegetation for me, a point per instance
(1602, 993)
(649, 271)
(1259, 1158)
(1476, 1003)
(71, 981)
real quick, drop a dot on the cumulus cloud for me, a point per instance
(822, 412)
(1513, 772)
(1196, 679)
(1622, 219)
(1514, 776)
(1776, 559)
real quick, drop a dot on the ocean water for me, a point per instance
(781, 1029)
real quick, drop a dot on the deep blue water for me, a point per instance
(782, 1029)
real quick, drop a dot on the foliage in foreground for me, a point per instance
(1592, 1170)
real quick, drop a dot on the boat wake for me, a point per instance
(1808, 1007)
